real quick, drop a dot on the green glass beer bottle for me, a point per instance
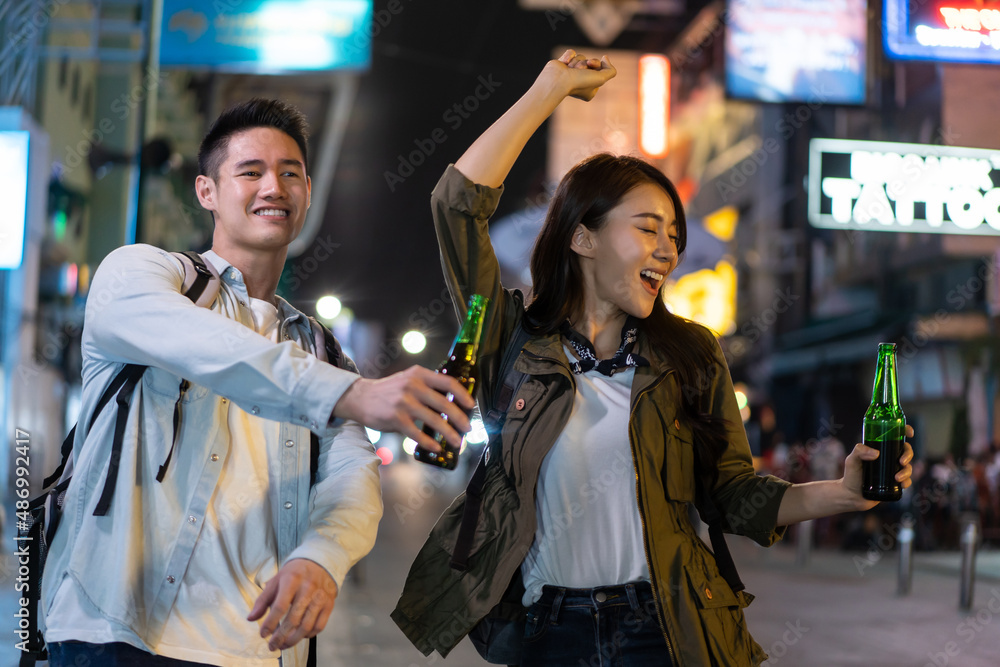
(460, 364)
(884, 429)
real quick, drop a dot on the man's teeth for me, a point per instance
(652, 274)
(273, 212)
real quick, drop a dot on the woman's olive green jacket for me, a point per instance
(700, 615)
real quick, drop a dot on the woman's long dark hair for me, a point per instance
(585, 196)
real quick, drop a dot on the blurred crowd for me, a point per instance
(944, 494)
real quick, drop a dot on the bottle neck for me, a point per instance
(884, 392)
(472, 328)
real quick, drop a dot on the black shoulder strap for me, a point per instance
(328, 349)
(710, 514)
(123, 400)
(494, 419)
(511, 380)
(201, 285)
(67, 445)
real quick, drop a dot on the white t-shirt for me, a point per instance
(238, 533)
(589, 531)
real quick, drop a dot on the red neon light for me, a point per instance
(971, 18)
(654, 105)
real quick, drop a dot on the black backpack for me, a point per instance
(38, 518)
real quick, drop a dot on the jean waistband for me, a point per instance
(632, 594)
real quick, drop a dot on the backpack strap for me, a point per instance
(201, 281)
(123, 400)
(327, 349)
(710, 514)
(494, 420)
(201, 285)
(67, 445)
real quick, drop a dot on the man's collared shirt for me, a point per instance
(136, 564)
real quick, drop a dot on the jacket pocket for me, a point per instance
(678, 465)
(723, 626)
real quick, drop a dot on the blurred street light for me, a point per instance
(414, 342)
(328, 307)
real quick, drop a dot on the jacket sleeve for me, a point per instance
(461, 211)
(747, 501)
(345, 504)
(136, 313)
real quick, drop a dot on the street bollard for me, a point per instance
(803, 542)
(905, 540)
(970, 536)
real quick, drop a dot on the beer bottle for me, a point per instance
(460, 364)
(884, 429)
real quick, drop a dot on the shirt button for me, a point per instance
(243, 303)
(254, 410)
(289, 443)
(601, 597)
(677, 424)
(225, 400)
(170, 579)
(215, 457)
(708, 593)
(288, 506)
(192, 519)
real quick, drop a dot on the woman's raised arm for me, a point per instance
(491, 156)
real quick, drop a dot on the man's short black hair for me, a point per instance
(256, 112)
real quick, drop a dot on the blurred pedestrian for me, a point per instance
(625, 412)
(222, 512)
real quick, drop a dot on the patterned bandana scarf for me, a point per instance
(588, 357)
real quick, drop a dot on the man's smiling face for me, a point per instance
(260, 196)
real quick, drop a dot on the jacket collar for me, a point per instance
(647, 376)
(551, 347)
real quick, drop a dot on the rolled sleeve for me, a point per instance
(748, 502)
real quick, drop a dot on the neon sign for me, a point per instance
(950, 32)
(654, 105)
(880, 186)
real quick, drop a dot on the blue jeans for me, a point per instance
(609, 626)
(82, 654)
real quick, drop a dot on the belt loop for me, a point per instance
(556, 604)
(633, 598)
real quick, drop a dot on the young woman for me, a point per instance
(624, 413)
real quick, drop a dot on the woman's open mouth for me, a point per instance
(651, 280)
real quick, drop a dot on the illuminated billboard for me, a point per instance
(265, 36)
(881, 186)
(965, 31)
(797, 50)
(14, 194)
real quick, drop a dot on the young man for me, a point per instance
(217, 548)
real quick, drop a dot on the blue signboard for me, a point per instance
(267, 36)
(797, 50)
(964, 31)
(14, 193)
